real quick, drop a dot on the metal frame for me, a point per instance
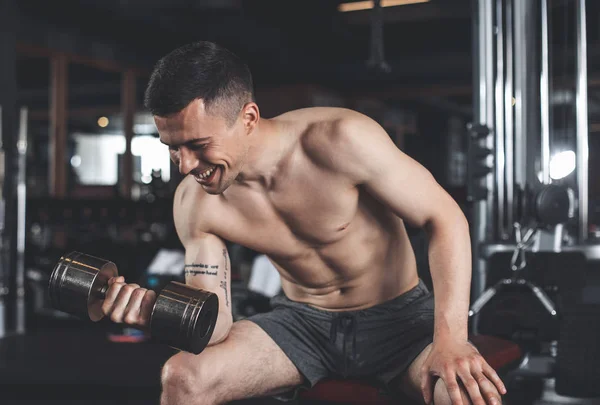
(21, 229)
(509, 115)
(3, 256)
(500, 152)
(483, 210)
(545, 123)
(582, 120)
(520, 139)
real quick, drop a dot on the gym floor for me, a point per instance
(75, 363)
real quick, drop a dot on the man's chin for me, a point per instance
(213, 191)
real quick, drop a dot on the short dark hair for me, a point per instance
(200, 70)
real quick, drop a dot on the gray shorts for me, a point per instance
(376, 344)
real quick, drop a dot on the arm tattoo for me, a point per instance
(224, 282)
(195, 269)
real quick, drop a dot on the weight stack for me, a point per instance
(578, 357)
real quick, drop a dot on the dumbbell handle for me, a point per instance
(103, 290)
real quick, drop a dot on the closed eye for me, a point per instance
(198, 146)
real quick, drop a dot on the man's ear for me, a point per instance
(250, 116)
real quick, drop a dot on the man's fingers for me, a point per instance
(488, 390)
(471, 386)
(133, 309)
(493, 377)
(426, 386)
(120, 303)
(118, 279)
(111, 295)
(147, 304)
(453, 388)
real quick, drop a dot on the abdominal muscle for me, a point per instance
(351, 276)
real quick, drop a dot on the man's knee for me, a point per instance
(442, 397)
(188, 382)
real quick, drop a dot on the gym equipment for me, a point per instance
(183, 317)
(554, 205)
(512, 288)
(551, 207)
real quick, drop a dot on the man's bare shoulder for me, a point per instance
(189, 203)
(333, 136)
(189, 192)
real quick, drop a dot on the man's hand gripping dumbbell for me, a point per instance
(181, 316)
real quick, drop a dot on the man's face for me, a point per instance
(204, 146)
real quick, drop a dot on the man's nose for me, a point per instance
(187, 162)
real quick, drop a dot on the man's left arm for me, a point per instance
(365, 152)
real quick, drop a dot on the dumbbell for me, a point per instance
(183, 317)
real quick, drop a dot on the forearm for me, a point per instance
(450, 266)
(222, 327)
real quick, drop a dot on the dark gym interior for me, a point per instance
(498, 99)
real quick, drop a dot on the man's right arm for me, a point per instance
(207, 263)
(207, 267)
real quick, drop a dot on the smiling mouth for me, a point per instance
(206, 176)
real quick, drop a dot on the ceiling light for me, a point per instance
(365, 5)
(102, 122)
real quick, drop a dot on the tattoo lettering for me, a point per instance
(224, 282)
(202, 266)
(194, 269)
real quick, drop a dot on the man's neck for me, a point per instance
(268, 148)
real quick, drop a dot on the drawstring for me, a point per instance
(348, 324)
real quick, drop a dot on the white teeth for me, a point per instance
(207, 173)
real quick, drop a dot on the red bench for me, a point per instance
(499, 353)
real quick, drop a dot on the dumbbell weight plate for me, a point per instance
(78, 284)
(184, 317)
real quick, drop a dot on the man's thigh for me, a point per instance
(247, 364)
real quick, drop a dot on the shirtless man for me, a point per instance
(324, 193)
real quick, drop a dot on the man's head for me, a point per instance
(202, 99)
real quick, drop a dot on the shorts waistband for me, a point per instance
(396, 303)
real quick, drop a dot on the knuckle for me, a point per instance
(115, 318)
(151, 295)
(472, 385)
(448, 369)
(105, 310)
(128, 288)
(113, 290)
(481, 379)
(105, 307)
(131, 318)
(144, 320)
(452, 386)
(494, 400)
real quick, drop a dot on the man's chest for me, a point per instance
(303, 213)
